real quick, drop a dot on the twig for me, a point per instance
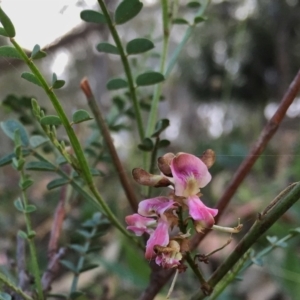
(12, 286)
(53, 255)
(52, 270)
(244, 169)
(240, 174)
(23, 278)
(260, 226)
(85, 86)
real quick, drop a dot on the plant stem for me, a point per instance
(261, 225)
(12, 286)
(93, 200)
(110, 145)
(73, 140)
(61, 114)
(81, 261)
(231, 275)
(186, 37)
(157, 92)
(33, 253)
(132, 89)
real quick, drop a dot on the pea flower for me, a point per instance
(153, 218)
(189, 175)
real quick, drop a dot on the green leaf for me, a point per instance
(180, 21)
(7, 24)
(10, 126)
(31, 234)
(69, 265)
(92, 16)
(5, 160)
(37, 53)
(147, 145)
(88, 267)
(149, 78)
(199, 19)
(94, 249)
(295, 230)
(81, 115)
(160, 126)
(31, 78)
(40, 166)
(58, 84)
(22, 234)
(139, 45)
(5, 296)
(51, 120)
(117, 83)
(127, 10)
(272, 239)
(9, 52)
(57, 183)
(3, 32)
(163, 143)
(193, 4)
(84, 233)
(24, 185)
(30, 208)
(19, 205)
(119, 103)
(76, 294)
(107, 48)
(78, 248)
(37, 140)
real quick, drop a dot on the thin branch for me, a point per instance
(85, 86)
(263, 140)
(261, 225)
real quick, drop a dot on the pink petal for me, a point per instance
(160, 237)
(189, 173)
(155, 206)
(199, 212)
(139, 224)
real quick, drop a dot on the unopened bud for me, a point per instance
(208, 157)
(143, 177)
(164, 162)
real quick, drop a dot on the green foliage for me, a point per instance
(37, 53)
(116, 84)
(9, 52)
(149, 78)
(107, 48)
(81, 115)
(9, 127)
(51, 120)
(138, 46)
(127, 10)
(92, 17)
(7, 24)
(56, 83)
(31, 78)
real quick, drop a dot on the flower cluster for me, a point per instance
(158, 217)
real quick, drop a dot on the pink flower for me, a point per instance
(201, 213)
(139, 224)
(189, 175)
(170, 256)
(152, 220)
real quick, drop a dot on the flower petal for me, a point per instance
(139, 224)
(199, 212)
(155, 206)
(160, 237)
(189, 173)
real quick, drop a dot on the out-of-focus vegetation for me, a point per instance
(226, 85)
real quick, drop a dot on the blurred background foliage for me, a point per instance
(227, 83)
